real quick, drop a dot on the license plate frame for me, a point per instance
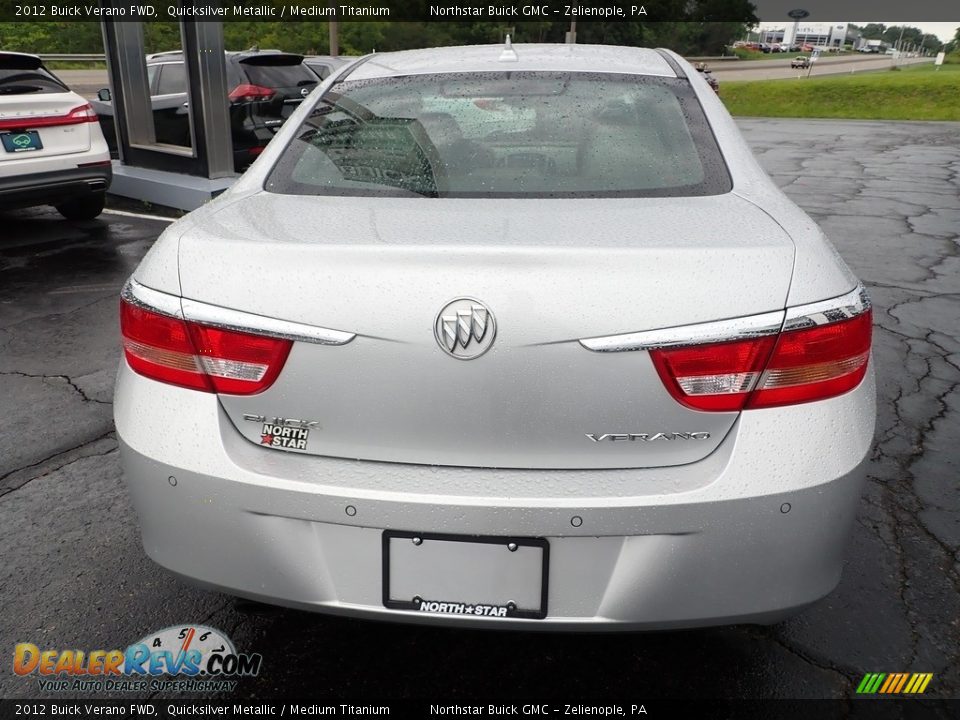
(538, 613)
(10, 144)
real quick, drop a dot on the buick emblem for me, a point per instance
(465, 328)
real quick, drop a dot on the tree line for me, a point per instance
(696, 37)
(907, 35)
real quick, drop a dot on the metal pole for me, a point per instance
(334, 31)
(203, 53)
(896, 57)
(572, 34)
(335, 38)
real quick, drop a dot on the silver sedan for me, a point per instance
(501, 336)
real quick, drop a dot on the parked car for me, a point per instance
(324, 65)
(420, 367)
(51, 149)
(708, 76)
(800, 61)
(266, 87)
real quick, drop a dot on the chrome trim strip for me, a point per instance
(823, 312)
(249, 322)
(228, 319)
(143, 297)
(722, 330)
(856, 302)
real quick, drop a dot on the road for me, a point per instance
(74, 574)
(779, 68)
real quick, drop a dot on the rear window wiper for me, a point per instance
(19, 89)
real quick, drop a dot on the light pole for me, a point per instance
(896, 57)
(796, 15)
(334, 32)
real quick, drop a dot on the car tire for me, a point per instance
(85, 208)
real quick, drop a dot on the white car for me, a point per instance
(52, 151)
(501, 336)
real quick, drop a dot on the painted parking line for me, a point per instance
(144, 216)
(93, 288)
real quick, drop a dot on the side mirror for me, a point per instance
(103, 95)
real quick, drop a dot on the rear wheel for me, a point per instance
(85, 208)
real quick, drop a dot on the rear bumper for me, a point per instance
(759, 537)
(54, 187)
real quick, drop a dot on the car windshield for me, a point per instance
(505, 134)
(280, 75)
(23, 81)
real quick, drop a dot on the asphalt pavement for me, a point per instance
(73, 573)
(778, 68)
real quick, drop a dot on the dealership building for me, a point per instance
(831, 35)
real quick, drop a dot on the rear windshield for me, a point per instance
(25, 81)
(279, 76)
(505, 134)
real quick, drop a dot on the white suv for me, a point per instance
(51, 148)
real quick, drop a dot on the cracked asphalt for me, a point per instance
(73, 574)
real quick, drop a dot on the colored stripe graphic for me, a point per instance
(875, 684)
(890, 683)
(901, 681)
(894, 683)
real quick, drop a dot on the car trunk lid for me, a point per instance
(550, 272)
(43, 125)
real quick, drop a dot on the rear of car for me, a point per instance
(323, 66)
(265, 87)
(501, 336)
(52, 149)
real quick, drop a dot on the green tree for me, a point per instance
(873, 31)
(700, 31)
(931, 43)
(910, 35)
(953, 47)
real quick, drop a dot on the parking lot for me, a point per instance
(75, 576)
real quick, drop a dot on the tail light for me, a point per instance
(250, 93)
(717, 377)
(816, 363)
(80, 114)
(83, 113)
(794, 367)
(202, 357)
(819, 355)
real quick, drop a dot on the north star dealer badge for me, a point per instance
(278, 436)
